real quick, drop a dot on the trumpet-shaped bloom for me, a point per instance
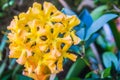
(40, 40)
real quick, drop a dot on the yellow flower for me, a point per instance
(40, 40)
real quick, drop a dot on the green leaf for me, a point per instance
(109, 58)
(76, 68)
(6, 77)
(73, 78)
(100, 41)
(118, 68)
(97, 25)
(115, 32)
(91, 75)
(12, 63)
(8, 4)
(2, 66)
(106, 73)
(2, 2)
(21, 77)
(56, 78)
(3, 42)
(16, 70)
(2, 14)
(113, 72)
(2, 45)
(99, 11)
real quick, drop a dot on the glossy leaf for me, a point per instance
(2, 45)
(75, 49)
(81, 33)
(76, 68)
(113, 71)
(115, 32)
(118, 67)
(3, 42)
(97, 25)
(56, 78)
(99, 11)
(73, 78)
(106, 72)
(12, 63)
(86, 18)
(80, 26)
(68, 11)
(21, 77)
(6, 75)
(91, 39)
(8, 4)
(91, 75)
(109, 58)
(16, 70)
(100, 41)
(2, 66)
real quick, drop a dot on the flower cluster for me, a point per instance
(40, 39)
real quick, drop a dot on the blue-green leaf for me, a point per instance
(98, 24)
(86, 21)
(99, 11)
(109, 58)
(8, 4)
(56, 78)
(81, 33)
(86, 18)
(2, 66)
(75, 49)
(68, 11)
(91, 75)
(21, 77)
(91, 39)
(6, 77)
(118, 67)
(3, 42)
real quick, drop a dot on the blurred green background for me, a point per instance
(102, 55)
